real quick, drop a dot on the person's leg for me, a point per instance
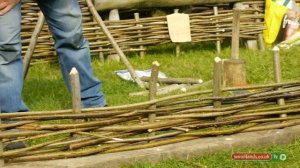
(11, 66)
(64, 20)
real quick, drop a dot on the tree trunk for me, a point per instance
(102, 5)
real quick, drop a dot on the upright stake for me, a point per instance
(1, 146)
(217, 81)
(137, 19)
(153, 89)
(75, 86)
(260, 37)
(235, 42)
(37, 30)
(177, 49)
(277, 74)
(114, 44)
(218, 43)
(235, 68)
(113, 16)
(177, 44)
(101, 54)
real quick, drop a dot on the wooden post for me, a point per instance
(177, 44)
(252, 44)
(260, 37)
(152, 92)
(137, 19)
(235, 41)
(75, 86)
(277, 74)
(34, 37)
(113, 15)
(101, 54)
(234, 68)
(218, 43)
(174, 80)
(153, 88)
(234, 72)
(217, 81)
(114, 44)
(1, 146)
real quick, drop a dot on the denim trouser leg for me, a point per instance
(64, 20)
(11, 67)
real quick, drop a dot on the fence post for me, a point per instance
(140, 39)
(217, 81)
(177, 44)
(153, 90)
(260, 37)
(235, 68)
(75, 88)
(113, 16)
(218, 43)
(277, 75)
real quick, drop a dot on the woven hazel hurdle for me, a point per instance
(81, 132)
(131, 34)
(64, 134)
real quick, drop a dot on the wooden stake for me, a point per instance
(101, 54)
(261, 42)
(217, 82)
(137, 19)
(234, 68)
(153, 88)
(218, 43)
(177, 49)
(162, 90)
(174, 80)
(235, 41)
(277, 68)
(177, 44)
(32, 44)
(152, 92)
(75, 85)
(252, 44)
(260, 37)
(113, 16)
(114, 44)
(277, 74)
(234, 72)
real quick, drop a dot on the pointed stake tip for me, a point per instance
(218, 59)
(275, 48)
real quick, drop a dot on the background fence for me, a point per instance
(133, 35)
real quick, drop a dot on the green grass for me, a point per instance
(223, 159)
(44, 90)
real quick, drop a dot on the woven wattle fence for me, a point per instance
(63, 134)
(131, 34)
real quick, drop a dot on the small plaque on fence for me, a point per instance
(179, 27)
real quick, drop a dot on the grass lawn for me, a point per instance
(223, 159)
(44, 90)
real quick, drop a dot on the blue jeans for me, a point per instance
(64, 21)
